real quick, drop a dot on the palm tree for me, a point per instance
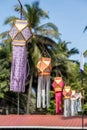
(61, 56)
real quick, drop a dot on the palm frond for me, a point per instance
(10, 20)
(49, 30)
(85, 29)
(4, 34)
(35, 14)
(42, 13)
(46, 41)
(85, 53)
(17, 8)
(73, 51)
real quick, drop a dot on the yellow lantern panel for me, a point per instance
(21, 24)
(57, 88)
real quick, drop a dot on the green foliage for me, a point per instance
(85, 108)
(4, 70)
(51, 109)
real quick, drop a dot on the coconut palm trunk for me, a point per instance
(29, 94)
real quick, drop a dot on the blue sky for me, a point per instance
(70, 16)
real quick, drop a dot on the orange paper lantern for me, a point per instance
(44, 66)
(67, 92)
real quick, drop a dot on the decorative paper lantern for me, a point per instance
(44, 69)
(58, 85)
(20, 34)
(44, 66)
(59, 81)
(67, 92)
(67, 102)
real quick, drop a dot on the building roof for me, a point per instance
(41, 121)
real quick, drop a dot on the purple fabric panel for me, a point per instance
(18, 69)
(26, 33)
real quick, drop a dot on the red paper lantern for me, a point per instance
(58, 84)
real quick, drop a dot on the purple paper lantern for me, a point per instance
(20, 34)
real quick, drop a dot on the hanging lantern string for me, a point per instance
(58, 72)
(18, 92)
(45, 52)
(20, 9)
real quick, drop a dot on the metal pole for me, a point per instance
(18, 103)
(82, 105)
(20, 19)
(20, 9)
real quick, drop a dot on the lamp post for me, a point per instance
(18, 111)
(20, 33)
(82, 107)
(82, 73)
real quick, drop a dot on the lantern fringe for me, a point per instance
(43, 89)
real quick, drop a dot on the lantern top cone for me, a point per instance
(59, 81)
(20, 32)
